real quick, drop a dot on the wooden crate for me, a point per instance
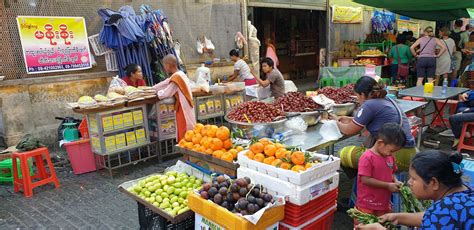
(208, 163)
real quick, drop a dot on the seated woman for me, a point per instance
(464, 113)
(134, 75)
(436, 176)
(242, 71)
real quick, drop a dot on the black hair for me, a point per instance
(410, 32)
(437, 164)
(392, 134)
(131, 68)
(370, 88)
(401, 38)
(458, 23)
(234, 52)
(268, 61)
(468, 26)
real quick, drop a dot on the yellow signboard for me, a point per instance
(345, 14)
(404, 25)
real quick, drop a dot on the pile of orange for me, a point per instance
(211, 140)
(278, 155)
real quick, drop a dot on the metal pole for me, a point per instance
(328, 33)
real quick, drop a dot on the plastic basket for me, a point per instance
(111, 61)
(83, 129)
(81, 156)
(322, 222)
(314, 173)
(296, 215)
(98, 48)
(149, 220)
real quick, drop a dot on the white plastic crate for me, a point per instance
(98, 48)
(298, 195)
(111, 61)
(312, 174)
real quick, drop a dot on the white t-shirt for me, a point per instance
(244, 70)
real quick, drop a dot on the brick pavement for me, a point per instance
(88, 201)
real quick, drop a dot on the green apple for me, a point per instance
(164, 195)
(166, 187)
(177, 191)
(165, 200)
(171, 173)
(183, 210)
(168, 209)
(190, 185)
(147, 193)
(170, 190)
(192, 178)
(138, 188)
(180, 200)
(159, 191)
(185, 181)
(178, 185)
(158, 199)
(156, 204)
(175, 204)
(198, 181)
(171, 180)
(183, 195)
(172, 213)
(151, 199)
(174, 199)
(164, 205)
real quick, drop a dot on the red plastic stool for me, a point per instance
(26, 183)
(452, 104)
(464, 142)
(420, 111)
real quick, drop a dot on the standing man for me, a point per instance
(178, 86)
(457, 56)
(274, 78)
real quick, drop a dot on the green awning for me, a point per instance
(433, 10)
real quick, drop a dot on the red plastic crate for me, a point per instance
(83, 129)
(322, 222)
(81, 156)
(297, 215)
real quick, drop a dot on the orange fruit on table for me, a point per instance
(208, 151)
(308, 165)
(279, 146)
(268, 160)
(259, 157)
(182, 143)
(285, 165)
(201, 149)
(216, 144)
(234, 153)
(270, 150)
(196, 147)
(227, 144)
(257, 147)
(207, 143)
(204, 130)
(188, 136)
(250, 154)
(239, 148)
(223, 133)
(277, 162)
(198, 127)
(189, 145)
(280, 153)
(197, 138)
(298, 168)
(203, 140)
(211, 132)
(227, 157)
(265, 141)
(297, 158)
(217, 154)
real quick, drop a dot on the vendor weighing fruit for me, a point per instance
(177, 86)
(274, 78)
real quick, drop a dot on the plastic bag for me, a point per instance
(323, 101)
(199, 46)
(297, 124)
(208, 44)
(117, 85)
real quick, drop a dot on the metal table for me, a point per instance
(313, 140)
(410, 106)
(434, 96)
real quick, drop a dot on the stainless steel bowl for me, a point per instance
(343, 109)
(258, 130)
(311, 118)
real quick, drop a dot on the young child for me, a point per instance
(376, 180)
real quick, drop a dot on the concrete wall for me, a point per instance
(29, 106)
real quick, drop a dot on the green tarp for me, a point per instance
(433, 10)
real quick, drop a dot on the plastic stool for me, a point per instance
(26, 183)
(452, 104)
(323, 82)
(454, 83)
(385, 81)
(342, 81)
(464, 143)
(6, 170)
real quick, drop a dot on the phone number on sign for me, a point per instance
(58, 67)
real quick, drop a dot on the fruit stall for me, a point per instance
(125, 129)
